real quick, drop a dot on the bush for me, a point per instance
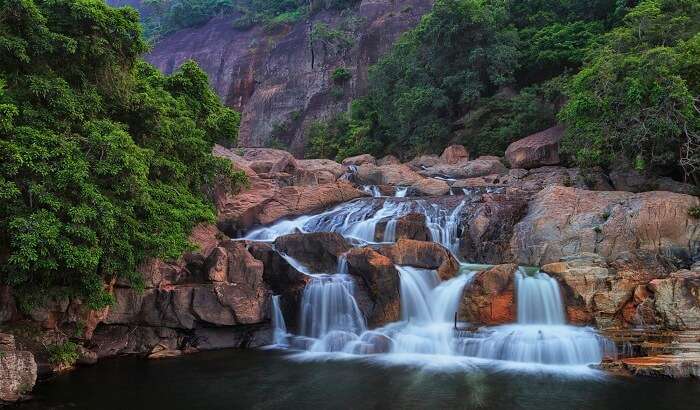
(341, 75)
(694, 212)
(65, 353)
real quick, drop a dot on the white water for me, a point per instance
(279, 328)
(401, 192)
(372, 190)
(359, 219)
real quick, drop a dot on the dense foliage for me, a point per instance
(103, 159)
(165, 16)
(487, 72)
(639, 95)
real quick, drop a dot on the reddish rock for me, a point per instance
(317, 171)
(379, 280)
(399, 174)
(268, 160)
(454, 154)
(430, 187)
(677, 300)
(388, 160)
(565, 221)
(536, 150)
(263, 206)
(426, 255)
(410, 226)
(358, 160)
(489, 298)
(319, 251)
(423, 162)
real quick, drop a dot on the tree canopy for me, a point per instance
(103, 159)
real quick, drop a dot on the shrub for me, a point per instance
(65, 353)
(341, 75)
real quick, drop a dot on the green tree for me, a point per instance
(637, 98)
(103, 159)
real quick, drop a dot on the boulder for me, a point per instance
(420, 254)
(399, 174)
(423, 162)
(268, 160)
(388, 160)
(379, 280)
(18, 370)
(677, 300)
(485, 165)
(629, 180)
(489, 299)
(360, 160)
(536, 150)
(317, 171)
(454, 154)
(318, 251)
(430, 187)
(564, 221)
(488, 227)
(410, 226)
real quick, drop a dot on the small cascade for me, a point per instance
(390, 230)
(328, 305)
(359, 219)
(279, 327)
(401, 192)
(372, 190)
(539, 299)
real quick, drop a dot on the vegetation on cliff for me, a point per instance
(103, 159)
(485, 73)
(166, 16)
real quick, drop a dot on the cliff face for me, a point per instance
(281, 80)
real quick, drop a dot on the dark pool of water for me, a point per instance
(236, 379)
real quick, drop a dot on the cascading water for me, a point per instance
(359, 220)
(401, 192)
(279, 328)
(331, 321)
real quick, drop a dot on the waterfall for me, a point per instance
(541, 335)
(401, 192)
(372, 190)
(390, 230)
(539, 299)
(358, 219)
(328, 305)
(278, 326)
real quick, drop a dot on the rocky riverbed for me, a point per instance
(625, 263)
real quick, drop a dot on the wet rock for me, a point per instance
(360, 160)
(536, 150)
(410, 226)
(454, 154)
(18, 370)
(420, 254)
(488, 227)
(565, 221)
(379, 280)
(673, 366)
(265, 205)
(86, 356)
(489, 298)
(319, 251)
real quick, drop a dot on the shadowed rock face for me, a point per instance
(270, 75)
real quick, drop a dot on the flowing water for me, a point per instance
(279, 327)
(360, 218)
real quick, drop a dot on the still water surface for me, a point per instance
(252, 379)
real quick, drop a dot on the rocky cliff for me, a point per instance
(281, 79)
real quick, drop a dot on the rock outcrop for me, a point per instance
(426, 255)
(318, 251)
(454, 154)
(565, 221)
(536, 150)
